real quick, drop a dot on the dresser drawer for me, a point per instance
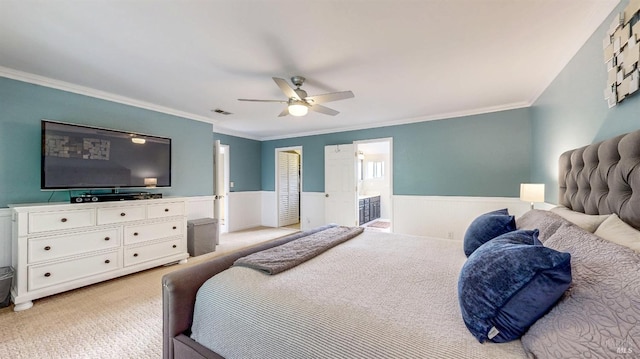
(59, 220)
(151, 231)
(139, 254)
(121, 214)
(48, 248)
(42, 276)
(162, 210)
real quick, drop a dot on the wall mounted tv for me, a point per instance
(84, 157)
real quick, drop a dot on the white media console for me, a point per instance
(58, 247)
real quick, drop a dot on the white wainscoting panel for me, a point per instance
(446, 216)
(436, 216)
(269, 209)
(199, 207)
(245, 210)
(5, 237)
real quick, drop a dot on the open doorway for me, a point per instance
(289, 186)
(375, 183)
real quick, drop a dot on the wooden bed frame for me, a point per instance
(179, 289)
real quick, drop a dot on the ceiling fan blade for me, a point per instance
(328, 97)
(284, 86)
(284, 112)
(323, 109)
(253, 100)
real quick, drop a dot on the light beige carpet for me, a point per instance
(120, 318)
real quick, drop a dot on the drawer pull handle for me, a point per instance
(174, 246)
(47, 248)
(135, 233)
(63, 220)
(107, 261)
(135, 254)
(106, 238)
(122, 214)
(174, 227)
(166, 209)
(47, 274)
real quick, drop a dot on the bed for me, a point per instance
(397, 296)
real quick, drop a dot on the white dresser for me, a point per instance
(58, 247)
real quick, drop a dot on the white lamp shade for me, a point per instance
(298, 109)
(532, 192)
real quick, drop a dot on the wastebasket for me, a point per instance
(6, 278)
(202, 236)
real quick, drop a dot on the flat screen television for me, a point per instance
(84, 157)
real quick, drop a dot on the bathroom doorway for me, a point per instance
(375, 183)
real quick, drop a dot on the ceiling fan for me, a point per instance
(299, 103)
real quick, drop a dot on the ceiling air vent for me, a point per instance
(222, 112)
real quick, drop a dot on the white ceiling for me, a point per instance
(405, 60)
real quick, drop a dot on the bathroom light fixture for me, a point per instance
(532, 192)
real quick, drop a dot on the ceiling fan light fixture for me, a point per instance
(298, 109)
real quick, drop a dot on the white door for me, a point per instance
(340, 185)
(221, 189)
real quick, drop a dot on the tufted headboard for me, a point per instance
(603, 178)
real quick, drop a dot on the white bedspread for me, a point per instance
(377, 295)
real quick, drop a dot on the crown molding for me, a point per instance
(103, 95)
(436, 117)
(86, 91)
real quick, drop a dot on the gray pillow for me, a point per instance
(599, 315)
(615, 230)
(588, 222)
(544, 221)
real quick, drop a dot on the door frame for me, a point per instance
(277, 189)
(226, 150)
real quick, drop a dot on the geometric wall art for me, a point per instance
(621, 47)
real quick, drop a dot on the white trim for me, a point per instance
(226, 131)
(87, 91)
(441, 116)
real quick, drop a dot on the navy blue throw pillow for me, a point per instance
(487, 227)
(509, 283)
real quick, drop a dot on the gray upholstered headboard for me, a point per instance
(603, 178)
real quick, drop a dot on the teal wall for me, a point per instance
(481, 155)
(23, 105)
(572, 111)
(244, 162)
